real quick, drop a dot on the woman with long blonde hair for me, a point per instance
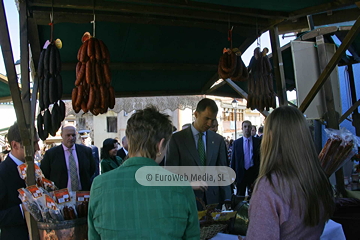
(292, 198)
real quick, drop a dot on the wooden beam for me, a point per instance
(5, 99)
(278, 66)
(217, 86)
(3, 79)
(211, 82)
(152, 67)
(113, 8)
(24, 63)
(318, 32)
(162, 6)
(333, 5)
(356, 115)
(237, 89)
(34, 41)
(242, 93)
(18, 104)
(42, 18)
(215, 8)
(331, 65)
(352, 109)
(300, 24)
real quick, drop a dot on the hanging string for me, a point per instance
(93, 21)
(230, 36)
(258, 40)
(52, 21)
(230, 29)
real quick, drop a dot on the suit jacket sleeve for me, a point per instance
(92, 162)
(45, 164)
(172, 155)
(9, 216)
(92, 233)
(225, 191)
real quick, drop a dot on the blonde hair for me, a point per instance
(145, 129)
(288, 151)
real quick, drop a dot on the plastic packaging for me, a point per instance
(339, 148)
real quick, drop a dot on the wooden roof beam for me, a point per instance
(42, 18)
(162, 4)
(319, 20)
(333, 5)
(151, 10)
(215, 8)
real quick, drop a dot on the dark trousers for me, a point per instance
(249, 178)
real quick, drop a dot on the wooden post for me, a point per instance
(20, 99)
(332, 117)
(278, 66)
(356, 115)
(242, 93)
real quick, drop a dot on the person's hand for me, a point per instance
(199, 185)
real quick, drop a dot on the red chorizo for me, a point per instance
(107, 73)
(111, 97)
(84, 57)
(80, 95)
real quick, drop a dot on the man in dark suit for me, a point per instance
(245, 159)
(86, 141)
(12, 222)
(260, 132)
(69, 165)
(185, 149)
(122, 152)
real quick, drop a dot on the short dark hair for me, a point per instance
(14, 134)
(144, 130)
(261, 129)
(207, 102)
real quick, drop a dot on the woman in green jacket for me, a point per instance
(109, 160)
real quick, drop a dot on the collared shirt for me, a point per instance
(67, 155)
(196, 136)
(125, 151)
(251, 148)
(17, 161)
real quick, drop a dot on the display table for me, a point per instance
(332, 231)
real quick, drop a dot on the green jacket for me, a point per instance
(107, 164)
(121, 208)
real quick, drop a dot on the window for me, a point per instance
(81, 123)
(111, 124)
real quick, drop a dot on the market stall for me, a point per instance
(159, 48)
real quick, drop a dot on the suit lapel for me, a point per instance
(79, 157)
(13, 172)
(62, 163)
(190, 145)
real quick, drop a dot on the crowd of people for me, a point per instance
(291, 197)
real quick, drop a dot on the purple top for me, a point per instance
(270, 217)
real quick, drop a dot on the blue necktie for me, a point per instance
(247, 159)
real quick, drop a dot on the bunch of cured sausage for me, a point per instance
(334, 153)
(93, 91)
(231, 65)
(260, 87)
(50, 92)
